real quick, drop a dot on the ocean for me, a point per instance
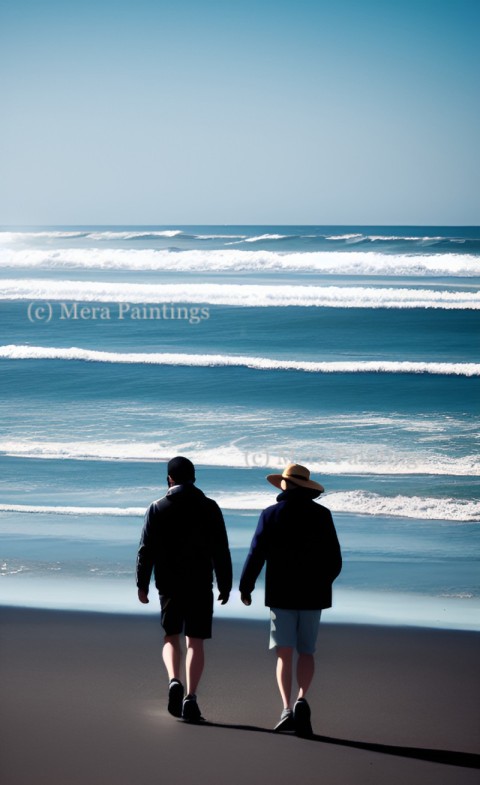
(352, 350)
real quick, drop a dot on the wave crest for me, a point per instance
(199, 260)
(355, 502)
(17, 352)
(238, 295)
(422, 508)
(231, 456)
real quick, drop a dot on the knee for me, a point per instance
(284, 653)
(195, 643)
(306, 655)
(172, 640)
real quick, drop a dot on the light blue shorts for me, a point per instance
(296, 629)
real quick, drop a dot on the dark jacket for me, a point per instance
(297, 540)
(184, 541)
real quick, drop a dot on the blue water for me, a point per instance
(352, 350)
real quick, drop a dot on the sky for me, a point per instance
(240, 112)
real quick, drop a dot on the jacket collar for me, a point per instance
(297, 494)
(184, 486)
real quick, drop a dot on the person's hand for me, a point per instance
(223, 597)
(246, 598)
(143, 596)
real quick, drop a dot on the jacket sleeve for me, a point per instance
(222, 560)
(256, 557)
(145, 555)
(334, 552)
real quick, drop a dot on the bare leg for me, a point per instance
(194, 664)
(305, 671)
(284, 673)
(172, 656)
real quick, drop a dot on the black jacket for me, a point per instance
(297, 540)
(184, 541)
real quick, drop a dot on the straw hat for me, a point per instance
(297, 474)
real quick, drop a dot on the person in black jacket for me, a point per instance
(296, 538)
(184, 542)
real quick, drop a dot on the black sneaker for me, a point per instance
(191, 710)
(286, 722)
(301, 719)
(175, 697)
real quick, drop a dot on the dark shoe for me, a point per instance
(286, 722)
(301, 719)
(190, 710)
(175, 697)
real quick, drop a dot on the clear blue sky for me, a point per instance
(241, 111)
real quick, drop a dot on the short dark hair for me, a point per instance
(181, 469)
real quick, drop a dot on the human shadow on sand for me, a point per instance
(448, 757)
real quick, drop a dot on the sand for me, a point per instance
(83, 700)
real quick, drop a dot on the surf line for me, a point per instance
(18, 352)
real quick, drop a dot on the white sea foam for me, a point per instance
(140, 232)
(387, 238)
(40, 509)
(15, 237)
(18, 352)
(345, 237)
(238, 295)
(356, 502)
(393, 463)
(266, 237)
(221, 237)
(422, 508)
(365, 503)
(201, 260)
(168, 233)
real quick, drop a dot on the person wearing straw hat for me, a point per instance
(297, 541)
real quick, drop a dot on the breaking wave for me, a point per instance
(238, 295)
(423, 508)
(16, 352)
(251, 234)
(357, 502)
(201, 260)
(399, 463)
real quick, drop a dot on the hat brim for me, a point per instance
(276, 480)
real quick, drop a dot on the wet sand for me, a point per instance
(84, 701)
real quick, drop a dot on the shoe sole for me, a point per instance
(194, 721)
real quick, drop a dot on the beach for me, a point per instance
(246, 234)
(84, 701)
(350, 350)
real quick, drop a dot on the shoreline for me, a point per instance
(84, 700)
(356, 607)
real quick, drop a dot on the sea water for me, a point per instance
(351, 350)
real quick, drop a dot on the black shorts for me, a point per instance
(191, 615)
